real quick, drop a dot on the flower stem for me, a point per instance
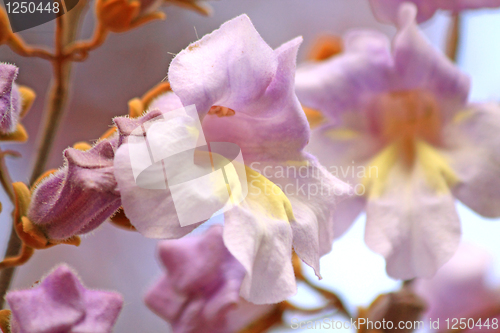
(5, 178)
(17, 45)
(66, 31)
(453, 39)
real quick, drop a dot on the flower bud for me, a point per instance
(60, 303)
(10, 98)
(402, 306)
(123, 15)
(78, 197)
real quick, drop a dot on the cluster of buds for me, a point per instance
(124, 15)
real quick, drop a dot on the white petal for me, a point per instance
(413, 226)
(258, 233)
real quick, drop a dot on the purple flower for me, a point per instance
(200, 291)
(244, 94)
(460, 289)
(10, 98)
(61, 304)
(387, 10)
(401, 131)
(78, 197)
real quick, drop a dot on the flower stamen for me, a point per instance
(221, 111)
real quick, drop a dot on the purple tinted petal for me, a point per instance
(387, 10)
(234, 68)
(460, 288)
(127, 125)
(335, 86)
(272, 127)
(201, 286)
(418, 65)
(459, 5)
(62, 304)
(230, 67)
(475, 154)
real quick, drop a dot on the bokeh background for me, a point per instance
(128, 64)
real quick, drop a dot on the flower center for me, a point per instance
(221, 111)
(405, 117)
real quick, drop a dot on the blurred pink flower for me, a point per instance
(200, 291)
(400, 129)
(62, 304)
(10, 98)
(387, 10)
(244, 93)
(460, 289)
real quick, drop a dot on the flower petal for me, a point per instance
(419, 65)
(62, 304)
(416, 228)
(151, 211)
(166, 102)
(314, 194)
(460, 288)
(273, 125)
(202, 284)
(258, 234)
(229, 67)
(334, 86)
(387, 10)
(234, 68)
(476, 158)
(345, 152)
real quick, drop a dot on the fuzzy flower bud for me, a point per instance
(78, 197)
(10, 98)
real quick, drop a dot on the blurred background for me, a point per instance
(129, 64)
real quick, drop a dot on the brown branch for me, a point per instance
(453, 38)
(5, 178)
(57, 96)
(270, 319)
(79, 51)
(24, 255)
(331, 297)
(17, 45)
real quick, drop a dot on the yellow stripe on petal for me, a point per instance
(342, 134)
(438, 173)
(462, 116)
(378, 170)
(267, 198)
